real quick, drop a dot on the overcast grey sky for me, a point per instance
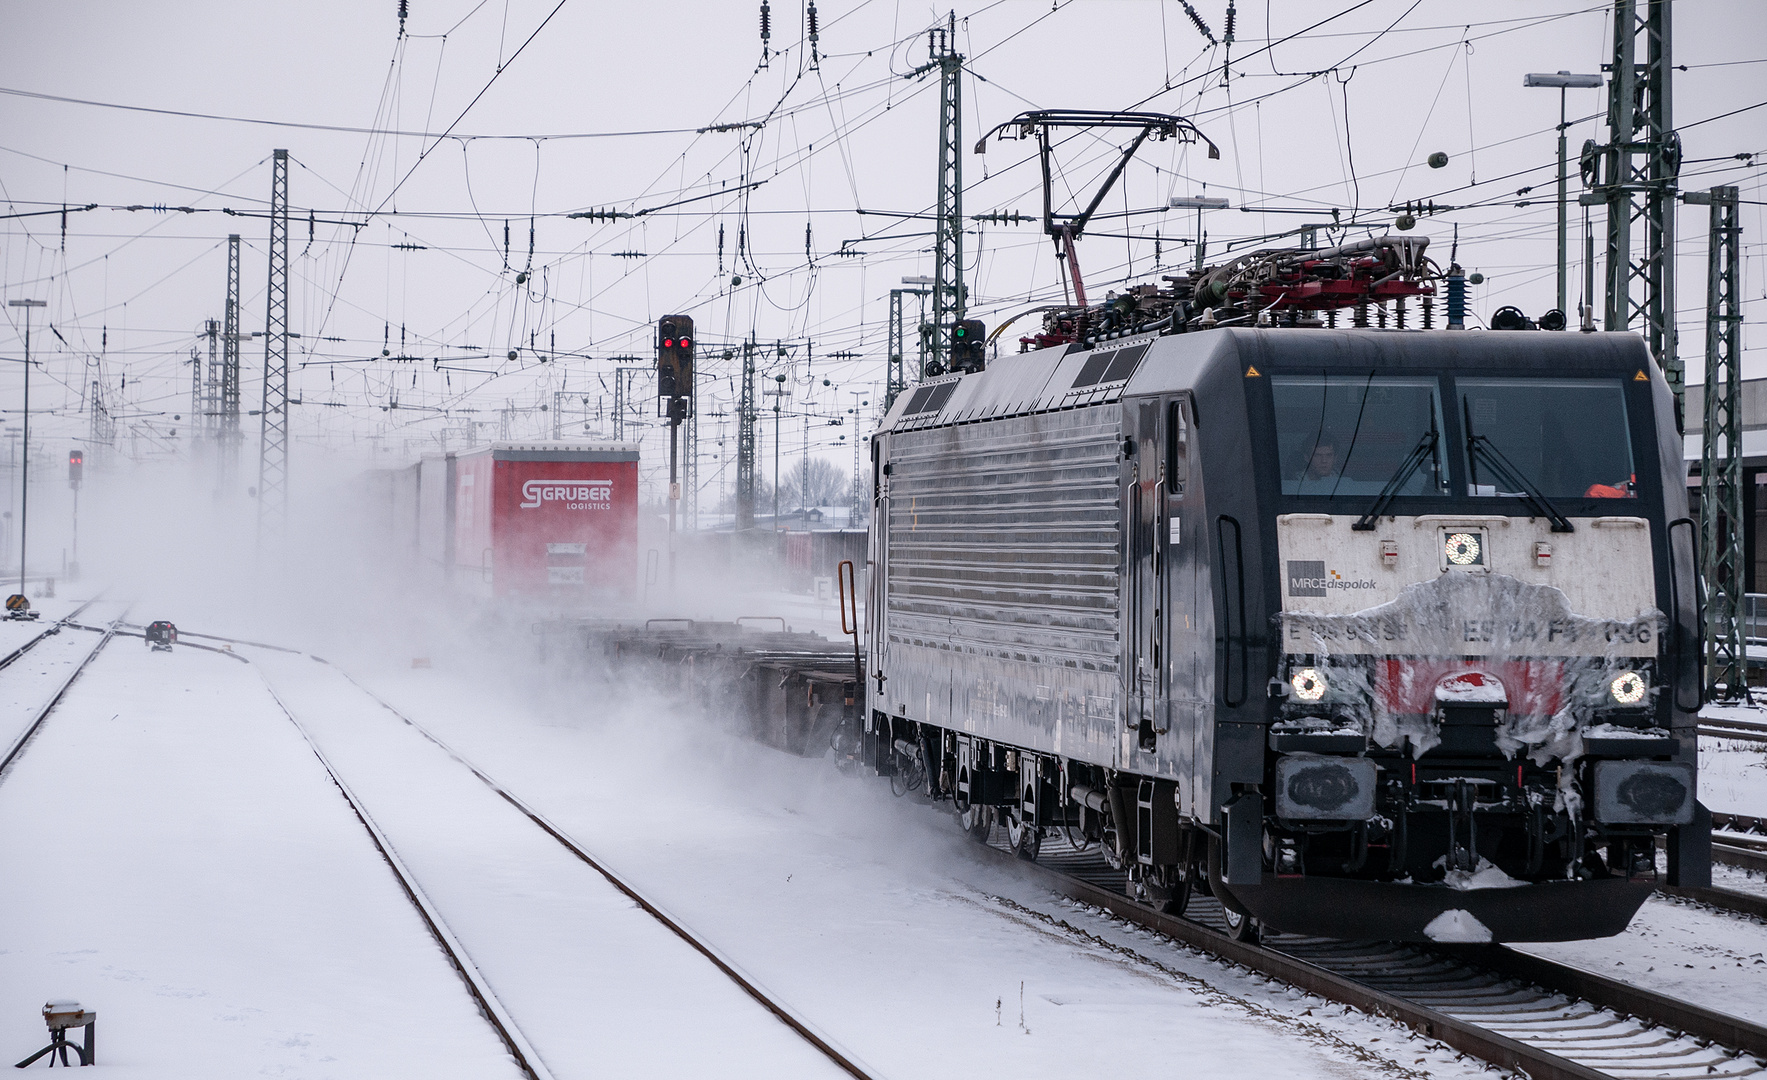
(581, 105)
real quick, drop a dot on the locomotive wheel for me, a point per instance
(1026, 841)
(1167, 889)
(977, 821)
(1240, 927)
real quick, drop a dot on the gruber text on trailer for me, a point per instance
(577, 495)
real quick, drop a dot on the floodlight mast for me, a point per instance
(1562, 81)
(1200, 203)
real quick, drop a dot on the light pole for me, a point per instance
(24, 490)
(1562, 81)
(1199, 203)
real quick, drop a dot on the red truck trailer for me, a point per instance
(551, 521)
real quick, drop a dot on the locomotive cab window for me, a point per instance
(1355, 434)
(1565, 437)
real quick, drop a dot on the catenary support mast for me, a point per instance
(1636, 181)
(230, 434)
(273, 454)
(1721, 477)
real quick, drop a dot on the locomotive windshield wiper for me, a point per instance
(1505, 472)
(1425, 450)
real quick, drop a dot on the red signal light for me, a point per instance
(686, 343)
(668, 343)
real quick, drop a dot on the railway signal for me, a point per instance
(76, 462)
(674, 361)
(674, 385)
(969, 343)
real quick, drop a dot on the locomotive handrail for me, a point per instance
(1423, 520)
(1693, 541)
(844, 573)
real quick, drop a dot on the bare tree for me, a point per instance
(815, 483)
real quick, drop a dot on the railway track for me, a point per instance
(1547, 1020)
(23, 738)
(1739, 730)
(499, 1017)
(1739, 840)
(526, 1058)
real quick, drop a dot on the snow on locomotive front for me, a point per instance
(1482, 718)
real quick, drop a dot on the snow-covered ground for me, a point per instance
(210, 893)
(1690, 952)
(27, 684)
(872, 914)
(597, 986)
(1733, 773)
(177, 860)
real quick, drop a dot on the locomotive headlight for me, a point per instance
(1463, 548)
(1309, 684)
(1627, 688)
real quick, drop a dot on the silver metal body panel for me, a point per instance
(1003, 580)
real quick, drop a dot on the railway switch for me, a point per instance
(60, 1016)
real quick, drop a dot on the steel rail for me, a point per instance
(840, 1056)
(18, 744)
(1737, 730)
(52, 629)
(1499, 1050)
(526, 1057)
(1731, 1033)
(1726, 900)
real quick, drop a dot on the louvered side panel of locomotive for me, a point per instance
(1004, 580)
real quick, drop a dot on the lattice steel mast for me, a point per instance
(745, 441)
(1634, 176)
(894, 378)
(228, 459)
(211, 390)
(950, 298)
(1721, 477)
(273, 454)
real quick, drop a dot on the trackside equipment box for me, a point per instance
(548, 520)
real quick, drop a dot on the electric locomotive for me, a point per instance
(1371, 633)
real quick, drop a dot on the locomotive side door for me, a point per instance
(1183, 623)
(1144, 514)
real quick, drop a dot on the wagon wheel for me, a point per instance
(1025, 839)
